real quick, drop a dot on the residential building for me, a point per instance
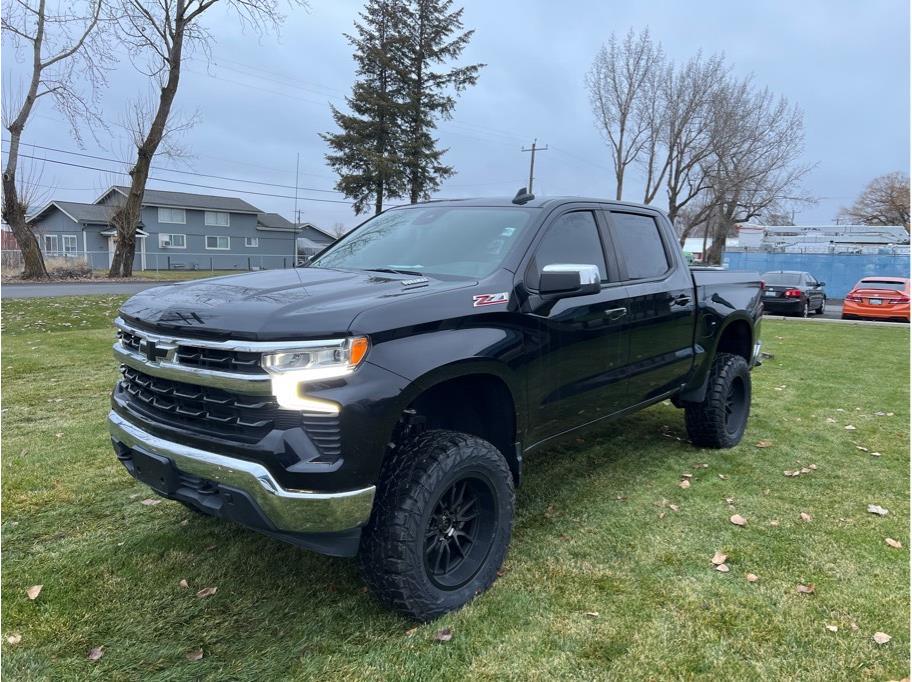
(176, 231)
(858, 239)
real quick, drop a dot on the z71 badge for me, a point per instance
(490, 299)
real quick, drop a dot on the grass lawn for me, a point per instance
(603, 527)
(172, 275)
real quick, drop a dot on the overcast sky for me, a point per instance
(261, 102)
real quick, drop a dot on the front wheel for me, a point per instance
(441, 524)
(719, 421)
(822, 307)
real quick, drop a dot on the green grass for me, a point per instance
(594, 533)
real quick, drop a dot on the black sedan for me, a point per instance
(791, 292)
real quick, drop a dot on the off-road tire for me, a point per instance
(712, 423)
(413, 480)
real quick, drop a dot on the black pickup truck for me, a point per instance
(380, 401)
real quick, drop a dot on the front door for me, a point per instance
(661, 310)
(579, 354)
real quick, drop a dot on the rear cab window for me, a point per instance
(639, 246)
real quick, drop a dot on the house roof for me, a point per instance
(77, 212)
(304, 226)
(274, 221)
(160, 197)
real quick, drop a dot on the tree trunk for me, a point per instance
(126, 217)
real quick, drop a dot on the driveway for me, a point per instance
(75, 289)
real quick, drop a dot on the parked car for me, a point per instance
(382, 400)
(878, 298)
(791, 292)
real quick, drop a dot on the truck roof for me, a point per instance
(537, 202)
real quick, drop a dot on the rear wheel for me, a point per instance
(441, 524)
(720, 420)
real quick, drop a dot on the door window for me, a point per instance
(639, 245)
(572, 238)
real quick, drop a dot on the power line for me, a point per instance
(186, 184)
(176, 170)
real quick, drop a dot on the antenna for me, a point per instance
(523, 196)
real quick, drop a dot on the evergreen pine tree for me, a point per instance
(366, 152)
(434, 37)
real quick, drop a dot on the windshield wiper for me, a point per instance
(396, 271)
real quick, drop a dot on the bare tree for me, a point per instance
(160, 35)
(621, 82)
(338, 230)
(757, 141)
(885, 201)
(65, 47)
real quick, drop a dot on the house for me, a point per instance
(176, 231)
(870, 239)
(312, 239)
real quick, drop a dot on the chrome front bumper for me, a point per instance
(290, 511)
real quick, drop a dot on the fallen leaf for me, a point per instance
(662, 515)
(774, 523)
(685, 484)
(805, 589)
(444, 635)
(14, 638)
(805, 516)
(862, 448)
(719, 558)
(674, 507)
(832, 628)
(854, 627)
(702, 465)
(592, 614)
(889, 414)
(59, 435)
(194, 655)
(96, 653)
(805, 470)
(34, 591)
(687, 475)
(812, 467)
(738, 520)
(723, 568)
(763, 443)
(839, 409)
(791, 474)
(875, 454)
(207, 592)
(849, 427)
(830, 420)
(881, 637)
(149, 502)
(185, 522)
(183, 583)
(729, 500)
(877, 509)
(723, 477)
(752, 578)
(895, 544)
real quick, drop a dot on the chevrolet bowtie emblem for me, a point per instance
(152, 352)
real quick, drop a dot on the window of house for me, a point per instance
(51, 243)
(639, 245)
(572, 238)
(251, 241)
(217, 218)
(70, 244)
(172, 241)
(216, 242)
(172, 215)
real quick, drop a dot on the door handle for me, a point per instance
(615, 313)
(683, 299)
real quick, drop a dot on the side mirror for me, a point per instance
(561, 280)
(820, 284)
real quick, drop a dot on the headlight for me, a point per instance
(314, 361)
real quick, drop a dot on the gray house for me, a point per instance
(177, 231)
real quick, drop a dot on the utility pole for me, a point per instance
(297, 213)
(533, 149)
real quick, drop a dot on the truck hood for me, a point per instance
(276, 304)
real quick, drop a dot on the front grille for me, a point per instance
(245, 418)
(216, 411)
(222, 360)
(129, 341)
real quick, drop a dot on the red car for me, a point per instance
(878, 298)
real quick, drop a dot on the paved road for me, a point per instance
(84, 289)
(833, 312)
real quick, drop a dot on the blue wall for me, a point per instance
(839, 271)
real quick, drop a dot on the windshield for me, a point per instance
(463, 241)
(786, 279)
(881, 284)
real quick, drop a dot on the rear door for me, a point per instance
(575, 372)
(661, 309)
